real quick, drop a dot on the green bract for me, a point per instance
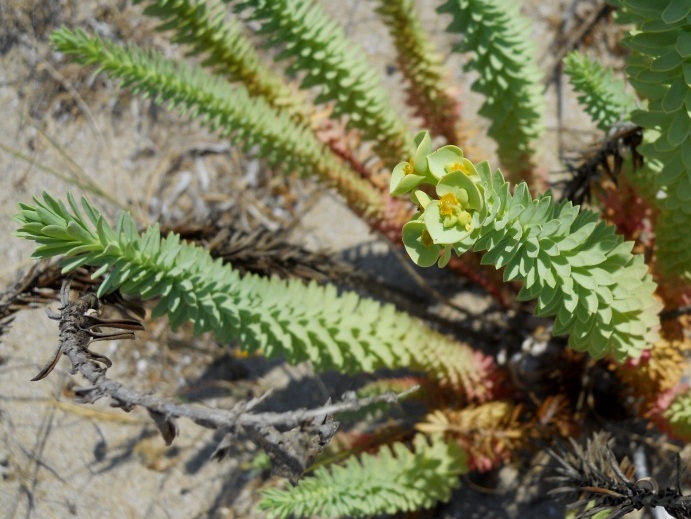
(419, 245)
(463, 188)
(424, 146)
(448, 159)
(453, 217)
(576, 267)
(403, 179)
(408, 175)
(441, 160)
(420, 199)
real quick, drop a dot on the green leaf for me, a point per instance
(54, 231)
(675, 96)
(676, 11)
(603, 97)
(78, 233)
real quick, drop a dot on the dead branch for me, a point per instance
(312, 428)
(596, 477)
(607, 159)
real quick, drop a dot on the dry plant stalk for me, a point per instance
(291, 452)
(594, 474)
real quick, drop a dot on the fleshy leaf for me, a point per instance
(576, 266)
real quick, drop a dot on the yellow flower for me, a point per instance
(456, 166)
(447, 204)
(409, 168)
(454, 211)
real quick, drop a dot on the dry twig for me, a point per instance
(608, 158)
(292, 450)
(594, 474)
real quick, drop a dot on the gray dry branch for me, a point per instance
(291, 451)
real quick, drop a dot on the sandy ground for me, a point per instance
(63, 126)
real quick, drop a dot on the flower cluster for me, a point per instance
(448, 221)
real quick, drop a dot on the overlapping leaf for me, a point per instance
(679, 415)
(202, 25)
(249, 121)
(503, 54)
(603, 97)
(319, 49)
(421, 67)
(396, 479)
(575, 265)
(280, 318)
(659, 68)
